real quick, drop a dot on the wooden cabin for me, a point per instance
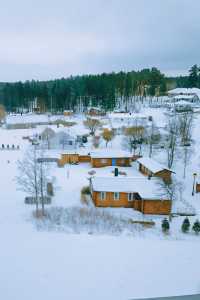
(68, 158)
(110, 158)
(130, 192)
(68, 113)
(197, 187)
(151, 168)
(73, 158)
(95, 111)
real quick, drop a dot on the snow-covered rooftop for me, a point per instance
(185, 91)
(127, 116)
(152, 164)
(189, 97)
(184, 103)
(110, 154)
(147, 189)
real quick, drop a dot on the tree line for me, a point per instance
(78, 92)
(106, 90)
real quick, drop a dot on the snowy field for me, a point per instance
(41, 264)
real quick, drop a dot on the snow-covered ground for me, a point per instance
(59, 265)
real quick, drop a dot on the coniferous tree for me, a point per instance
(185, 225)
(193, 76)
(196, 227)
(165, 225)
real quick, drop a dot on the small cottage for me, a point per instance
(150, 168)
(68, 158)
(188, 94)
(110, 158)
(130, 192)
(68, 113)
(95, 111)
(58, 140)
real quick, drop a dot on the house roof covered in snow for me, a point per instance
(187, 97)
(127, 116)
(152, 165)
(185, 91)
(184, 103)
(147, 189)
(110, 154)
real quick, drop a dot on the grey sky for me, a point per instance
(45, 39)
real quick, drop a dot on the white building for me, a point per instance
(186, 94)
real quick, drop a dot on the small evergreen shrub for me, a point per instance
(196, 227)
(165, 225)
(85, 190)
(186, 225)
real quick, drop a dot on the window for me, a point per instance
(130, 197)
(103, 160)
(116, 196)
(103, 195)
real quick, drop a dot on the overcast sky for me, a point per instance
(46, 39)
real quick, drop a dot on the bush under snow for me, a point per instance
(85, 219)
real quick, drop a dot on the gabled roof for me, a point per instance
(187, 97)
(147, 189)
(110, 154)
(152, 165)
(186, 91)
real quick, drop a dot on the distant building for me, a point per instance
(58, 140)
(68, 113)
(186, 94)
(130, 192)
(95, 111)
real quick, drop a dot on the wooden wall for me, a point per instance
(110, 202)
(84, 158)
(67, 159)
(156, 207)
(67, 113)
(146, 206)
(165, 175)
(197, 187)
(103, 162)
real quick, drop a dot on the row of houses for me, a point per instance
(98, 159)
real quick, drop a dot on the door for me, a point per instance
(113, 161)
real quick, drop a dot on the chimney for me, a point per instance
(116, 172)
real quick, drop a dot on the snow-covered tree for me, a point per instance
(165, 225)
(185, 225)
(32, 178)
(107, 135)
(2, 113)
(172, 135)
(196, 227)
(92, 124)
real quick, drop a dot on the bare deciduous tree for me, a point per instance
(171, 140)
(133, 135)
(153, 137)
(169, 190)
(96, 141)
(185, 127)
(2, 113)
(92, 124)
(107, 135)
(32, 178)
